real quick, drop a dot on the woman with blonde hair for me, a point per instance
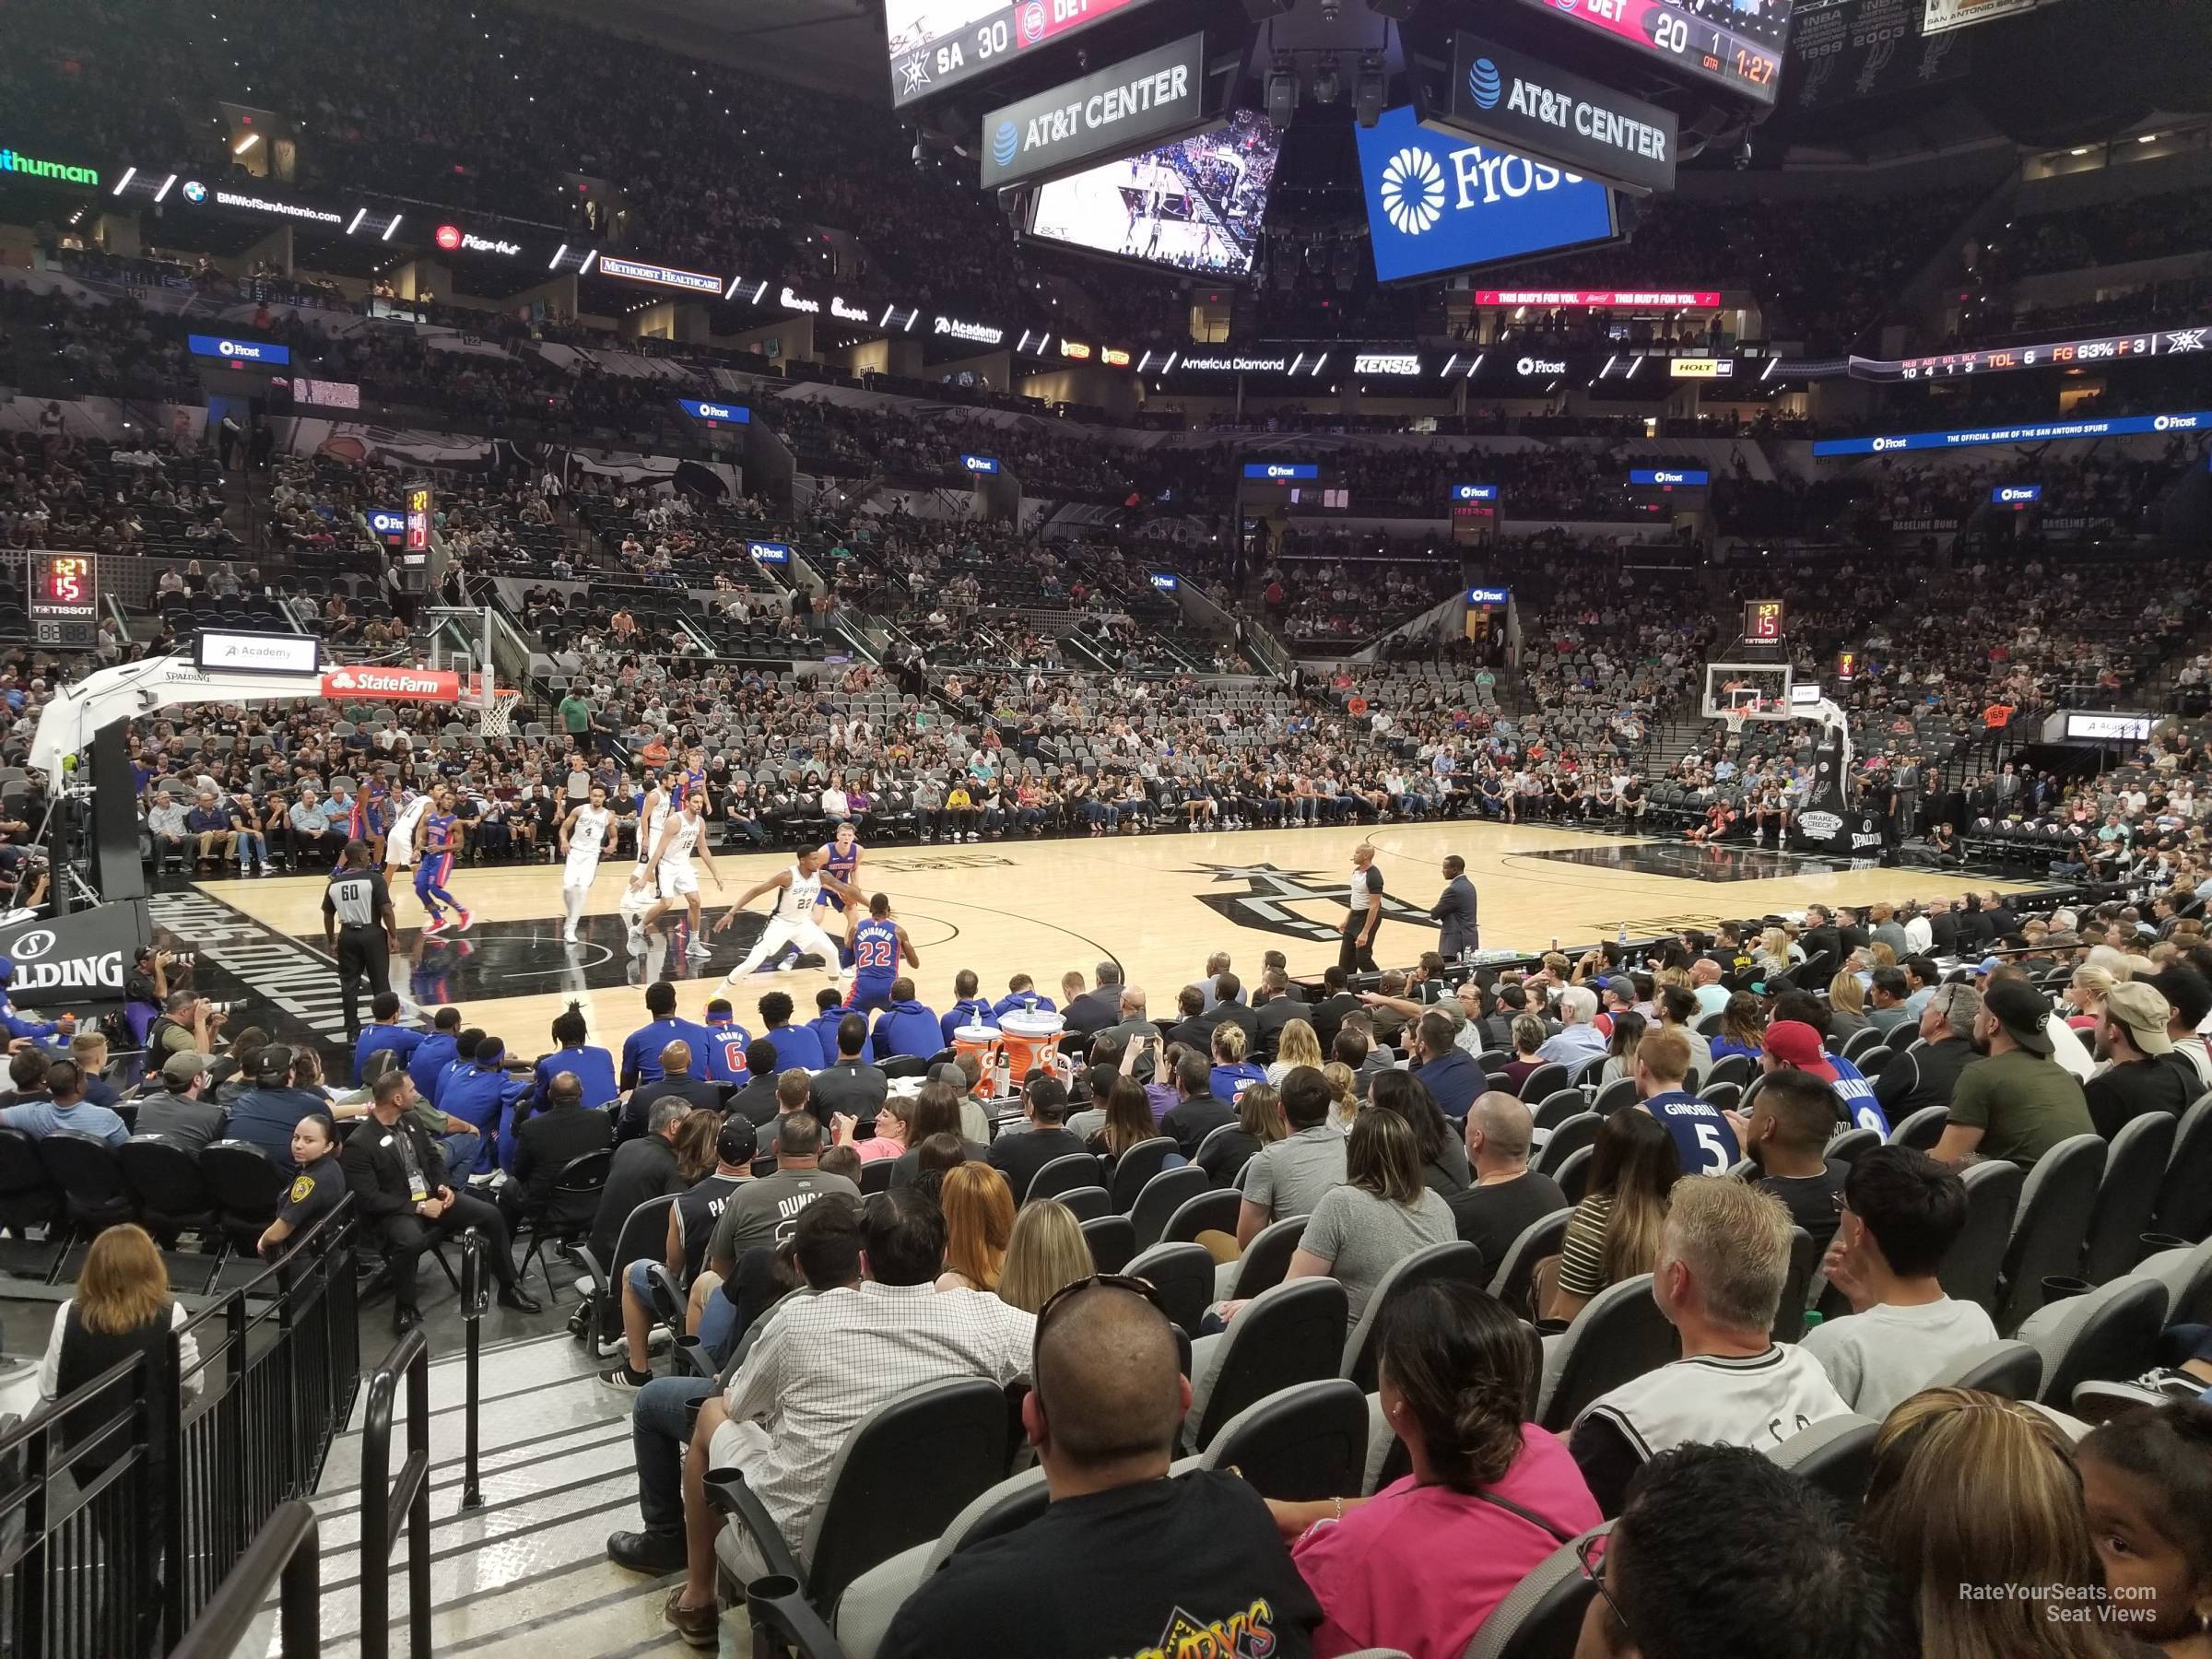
(1970, 1489)
(2086, 992)
(122, 1307)
(698, 1147)
(1344, 1095)
(1046, 1251)
(1772, 956)
(1847, 1004)
(1232, 1074)
(979, 1222)
(1298, 1046)
(1259, 1123)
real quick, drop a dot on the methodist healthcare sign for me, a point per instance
(2118, 426)
(1534, 109)
(1119, 111)
(1437, 204)
(16, 163)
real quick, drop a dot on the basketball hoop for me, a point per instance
(1735, 718)
(496, 719)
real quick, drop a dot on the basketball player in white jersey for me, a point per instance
(796, 888)
(583, 839)
(685, 834)
(652, 818)
(399, 846)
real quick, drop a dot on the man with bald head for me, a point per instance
(1106, 1402)
(1135, 1027)
(1507, 1194)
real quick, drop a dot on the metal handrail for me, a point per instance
(476, 1297)
(394, 1505)
(287, 1548)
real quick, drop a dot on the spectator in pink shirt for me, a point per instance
(1491, 1493)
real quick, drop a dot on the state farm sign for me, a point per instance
(394, 685)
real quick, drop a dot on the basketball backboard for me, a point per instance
(1754, 690)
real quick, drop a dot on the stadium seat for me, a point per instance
(1835, 1454)
(1573, 1172)
(1205, 1212)
(1620, 1335)
(2048, 1229)
(2010, 1368)
(2109, 1334)
(1557, 1107)
(1454, 1259)
(1738, 1069)
(1063, 1175)
(88, 1175)
(166, 1185)
(1301, 1444)
(1112, 1239)
(2184, 1206)
(1851, 1145)
(875, 1596)
(28, 1198)
(1164, 1195)
(643, 1237)
(1922, 1129)
(1182, 1273)
(1804, 1262)
(247, 1186)
(1544, 1082)
(1135, 1167)
(1573, 1135)
(1615, 1095)
(1082, 1203)
(1513, 1279)
(1268, 1258)
(1541, 1618)
(902, 1478)
(1289, 1333)
(1992, 1197)
(570, 1208)
(2135, 1165)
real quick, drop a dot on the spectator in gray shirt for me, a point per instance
(1290, 1177)
(178, 1113)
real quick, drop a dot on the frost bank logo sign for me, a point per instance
(1436, 202)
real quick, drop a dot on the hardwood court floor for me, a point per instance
(1156, 904)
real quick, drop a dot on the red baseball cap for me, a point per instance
(1797, 1046)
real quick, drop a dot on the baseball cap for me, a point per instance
(738, 1141)
(1622, 986)
(2144, 1010)
(2022, 1011)
(178, 1070)
(1987, 966)
(949, 1073)
(1797, 1046)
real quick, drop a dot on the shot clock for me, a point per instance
(1762, 622)
(65, 600)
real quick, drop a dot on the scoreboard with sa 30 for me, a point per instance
(65, 599)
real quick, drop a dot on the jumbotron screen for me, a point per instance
(1196, 206)
(1735, 43)
(938, 43)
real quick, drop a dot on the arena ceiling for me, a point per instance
(834, 44)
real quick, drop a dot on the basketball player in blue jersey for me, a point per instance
(880, 945)
(437, 839)
(692, 781)
(840, 860)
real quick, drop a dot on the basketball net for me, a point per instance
(497, 718)
(1735, 718)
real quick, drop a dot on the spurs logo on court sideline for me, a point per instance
(1270, 891)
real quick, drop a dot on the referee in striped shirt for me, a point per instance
(358, 930)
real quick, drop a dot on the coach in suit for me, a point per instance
(1454, 913)
(396, 1174)
(545, 1141)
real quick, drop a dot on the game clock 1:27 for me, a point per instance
(65, 599)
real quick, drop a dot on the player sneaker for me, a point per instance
(463, 925)
(698, 948)
(786, 965)
(433, 928)
(569, 933)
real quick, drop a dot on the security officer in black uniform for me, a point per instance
(317, 1189)
(396, 1173)
(358, 929)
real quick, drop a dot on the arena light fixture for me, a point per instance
(124, 183)
(590, 260)
(168, 184)
(1372, 91)
(355, 223)
(390, 227)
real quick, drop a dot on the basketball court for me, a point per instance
(1157, 904)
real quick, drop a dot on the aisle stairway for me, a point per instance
(526, 1574)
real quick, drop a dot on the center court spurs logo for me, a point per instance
(1269, 892)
